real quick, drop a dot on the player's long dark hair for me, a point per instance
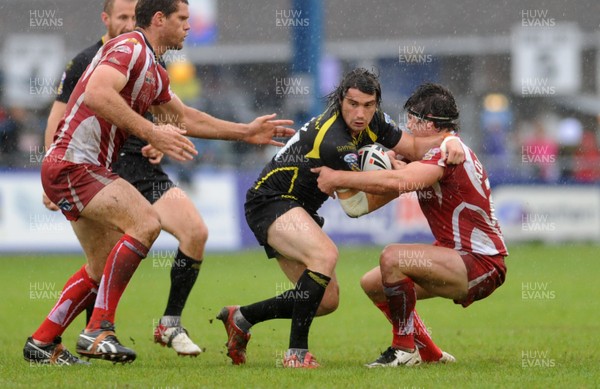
(359, 78)
(437, 101)
(145, 10)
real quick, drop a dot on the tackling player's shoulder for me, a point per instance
(85, 56)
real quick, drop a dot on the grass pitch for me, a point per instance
(539, 330)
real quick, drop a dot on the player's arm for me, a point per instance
(356, 203)
(56, 113)
(202, 125)
(413, 176)
(102, 96)
(414, 148)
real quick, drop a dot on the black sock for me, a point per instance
(278, 307)
(309, 293)
(184, 273)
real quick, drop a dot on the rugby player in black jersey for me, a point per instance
(281, 209)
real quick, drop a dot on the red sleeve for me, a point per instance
(433, 157)
(122, 55)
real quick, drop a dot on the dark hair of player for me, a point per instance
(435, 103)
(145, 10)
(359, 78)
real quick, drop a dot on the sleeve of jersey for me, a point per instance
(122, 56)
(433, 157)
(388, 133)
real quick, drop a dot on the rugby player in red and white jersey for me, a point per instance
(139, 164)
(123, 81)
(466, 261)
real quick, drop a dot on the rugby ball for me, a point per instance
(373, 157)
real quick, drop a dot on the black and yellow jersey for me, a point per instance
(324, 141)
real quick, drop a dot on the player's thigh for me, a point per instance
(97, 240)
(120, 205)
(440, 271)
(179, 216)
(294, 269)
(296, 236)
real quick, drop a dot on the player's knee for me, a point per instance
(388, 258)
(329, 256)
(149, 226)
(370, 285)
(197, 232)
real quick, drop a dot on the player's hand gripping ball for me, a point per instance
(373, 157)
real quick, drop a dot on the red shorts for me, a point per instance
(485, 274)
(71, 186)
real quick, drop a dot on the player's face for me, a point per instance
(358, 109)
(176, 27)
(121, 18)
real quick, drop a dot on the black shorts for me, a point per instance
(263, 207)
(149, 179)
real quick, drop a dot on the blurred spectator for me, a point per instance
(587, 159)
(570, 133)
(540, 151)
(12, 124)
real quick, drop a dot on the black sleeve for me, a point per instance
(388, 133)
(69, 79)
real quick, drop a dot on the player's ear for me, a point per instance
(105, 19)
(158, 18)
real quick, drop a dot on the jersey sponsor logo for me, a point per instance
(65, 205)
(133, 40)
(352, 161)
(149, 78)
(346, 147)
(123, 49)
(388, 119)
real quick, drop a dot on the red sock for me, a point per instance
(121, 263)
(402, 298)
(428, 350)
(79, 291)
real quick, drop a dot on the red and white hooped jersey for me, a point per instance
(459, 207)
(83, 137)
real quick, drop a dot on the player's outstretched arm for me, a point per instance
(199, 124)
(102, 96)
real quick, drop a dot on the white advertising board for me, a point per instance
(552, 214)
(27, 226)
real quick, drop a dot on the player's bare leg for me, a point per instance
(180, 217)
(308, 257)
(437, 271)
(121, 206)
(44, 346)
